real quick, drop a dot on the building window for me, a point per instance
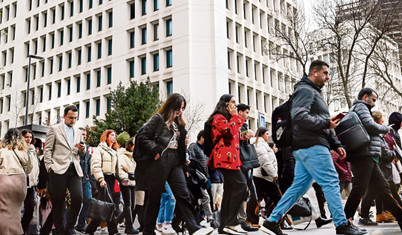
(97, 107)
(79, 54)
(156, 30)
(62, 13)
(89, 48)
(51, 66)
(156, 62)
(169, 58)
(98, 78)
(132, 39)
(169, 87)
(52, 40)
(68, 87)
(132, 11)
(100, 18)
(110, 19)
(99, 50)
(60, 62)
(144, 7)
(71, 8)
(61, 37)
(143, 65)
(168, 27)
(90, 4)
(131, 68)
(156, 5)
(80, 30)
(71, 34)
(109, 75)
(78, 81)
(69, 60)
(87, 109)
(144, 35)
(45, 20)
(59, 89)
(89, 27)
(108, 104)
(41, 94)
(50, 91)
(109, 47)
(53, 16)
(88, 81)
(168, 3)
(81, 5)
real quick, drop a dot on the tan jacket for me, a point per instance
(125, 160)
(58, 152)
(10, 165)
(103, 161)
(34, 175)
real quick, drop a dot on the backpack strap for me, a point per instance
(159, 128)
(19, 159)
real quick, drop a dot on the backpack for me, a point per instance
(139, 154)
(282, 125)
(208, 144)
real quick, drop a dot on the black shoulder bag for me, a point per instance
(102, 210)
(22, 166)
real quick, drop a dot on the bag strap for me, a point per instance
(107, 193)
(19, 159)
(159, 128)
(311, 216)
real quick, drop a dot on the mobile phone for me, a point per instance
(340, 116)
(82, 142)
(227, 105)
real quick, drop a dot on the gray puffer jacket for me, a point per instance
(363, 110)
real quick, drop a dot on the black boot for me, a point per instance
(321, 222)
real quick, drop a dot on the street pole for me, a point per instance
(28, 81)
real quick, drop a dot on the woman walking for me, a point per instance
(14, 165)
(226, 124)
(103, 167)
(168, 151)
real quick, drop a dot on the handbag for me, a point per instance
(248, 157)
(351, 132)
(102, 210)
(300, 208)
(199, 178)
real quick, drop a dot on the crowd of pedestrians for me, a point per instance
(170, 185)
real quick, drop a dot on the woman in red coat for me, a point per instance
(225, 135)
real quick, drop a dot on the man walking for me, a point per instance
(365, 168)
(85, 163)
(312, 141)
(63, 149)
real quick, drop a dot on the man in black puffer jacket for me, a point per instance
(312, 141)
(365, 160)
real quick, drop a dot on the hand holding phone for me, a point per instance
(339, 116)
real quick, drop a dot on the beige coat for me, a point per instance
(10, 165)
(125, 160)
(58, 152)
(34, 175)
(267, 160)
(103, 161)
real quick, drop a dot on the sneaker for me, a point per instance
(203, 231)
(168, 229)
(349, 229)
(229, 230)
(159, 228)
(248, 228)
(322, 221)
(271, 227)
(367, 222)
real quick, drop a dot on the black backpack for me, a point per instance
(139, 154)
(208, 144)
(282, 125)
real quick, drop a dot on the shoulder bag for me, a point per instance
(248, 157)
(102, 210)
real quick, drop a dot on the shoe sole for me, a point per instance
(267, 231)
(230, 231)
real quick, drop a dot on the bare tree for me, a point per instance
(194, 114)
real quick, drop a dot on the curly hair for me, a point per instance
(105, 136)
(14, 140)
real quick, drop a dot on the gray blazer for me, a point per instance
(58, 152)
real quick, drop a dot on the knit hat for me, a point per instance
(122, 138)
(396, 119)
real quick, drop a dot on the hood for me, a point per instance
(254, 140)
(306, 81)
(362, 102)
(396, 119)
(104, 146)
(126, 152)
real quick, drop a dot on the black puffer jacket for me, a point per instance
(310, 117)
(363, 110)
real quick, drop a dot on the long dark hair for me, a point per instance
(221, 108)
(171, 105)
(26, 131)
(14, 140)
(260, 132)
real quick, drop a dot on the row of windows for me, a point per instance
(244, 6)
(8, 12)
(40, 21)
(81, 4)
(144, 4)
(155, 31)
(154, 57)
(6, 33)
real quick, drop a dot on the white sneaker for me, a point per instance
(203, 231)
(167, 229)
(159, 228)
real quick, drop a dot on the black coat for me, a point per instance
(310, 117)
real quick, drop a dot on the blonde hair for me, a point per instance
(14, 140)
(376, 116)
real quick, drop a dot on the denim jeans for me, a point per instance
(83, 217)
(166, 208)
(315, 163)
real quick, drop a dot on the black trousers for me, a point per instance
(234, 192)
(128, 193)
(168, 167)
(367, 174)
(29, 206)
(58, 184)
(319, 194)
(112, 225)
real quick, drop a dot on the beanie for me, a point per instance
(122, 138)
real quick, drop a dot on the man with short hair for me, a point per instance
(365, 168)
(246, 135)
(312, 141)
(85, 163)
(63, 148)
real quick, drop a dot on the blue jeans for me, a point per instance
(83, 217)
(166, 208)
(315, 163)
